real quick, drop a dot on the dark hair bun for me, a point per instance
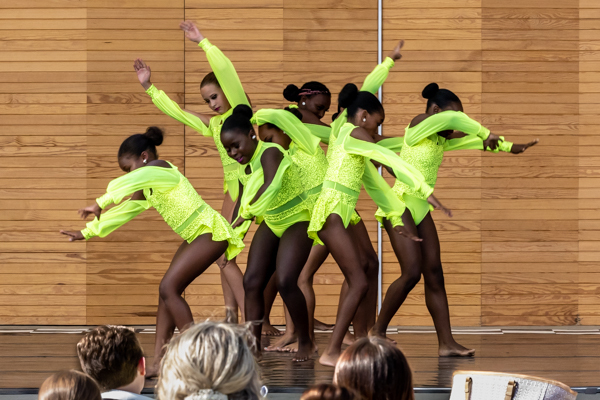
(292, 93)
(294, 111)
(243, 110)
(155, 135)
(430, 91)
(348, 95)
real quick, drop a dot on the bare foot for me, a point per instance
(455, 350)
(270, 330)
(303, 352)
(293, 348)
(383, 335)
(349, 338)
(152, 371)
(322, 326)
(280, 344)
(329, 359)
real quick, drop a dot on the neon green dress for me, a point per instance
(175, 199)
(282, 204)
(424, 149)
(234, 92)
(350, 169)
(304, 150)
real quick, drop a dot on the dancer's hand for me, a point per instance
(73, 235)
(191, 31)
(395, 54)
(93, 209)
(520, 148)
(238, 222)
(439, 206)
(143, 72)
(491, 142)
(402, 230)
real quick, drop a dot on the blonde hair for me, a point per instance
(69, 385)
(210, 360)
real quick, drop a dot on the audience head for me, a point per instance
(312, 96)
(139, 149)
(376, 369)
(113, 356)
(69, 385)
(209, 361)
(440, 99)
(329, 391)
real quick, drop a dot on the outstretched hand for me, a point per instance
(191, 31)
(491, 142)
(439, 206)
(73, 235)
(402, 230)
(87, 211)
(143, 72)
(395, 54)
(520, 148)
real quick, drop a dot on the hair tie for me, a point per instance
(207, 394)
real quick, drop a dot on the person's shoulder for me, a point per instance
(122, 395)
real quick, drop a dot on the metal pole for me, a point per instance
(379, 94)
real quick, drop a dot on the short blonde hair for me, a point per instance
(210, 360)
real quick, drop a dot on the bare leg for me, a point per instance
(270, 295)
(344, 250)
(228, 296)
(261, 266)
(289, 337)
(435, 290)
(294, 248)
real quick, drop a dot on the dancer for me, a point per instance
(348, 171)
(222, 90)
(443, 127)
(159, 184)
(274, 193)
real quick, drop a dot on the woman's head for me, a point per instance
(364, 108)
(312, 96)
(376, 369)
(329, 391)
(238, 135)
(440, 99)
(210, 359)
(139, 149)
(69, 385)
(271, 133)
(213, 94)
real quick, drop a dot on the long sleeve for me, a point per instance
(377, 77)
(443, 121)
(114, 218)
(404, 172)
(322, 132)
(226, 75)
(394, 143)
(475, 143)
(261, 205)
(157, 178)
(381, 193)
(291, 125)
(172, 109)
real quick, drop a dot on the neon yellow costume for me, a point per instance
(424, 149)
(304, 150)
(175, 199)
(350, 169)
(234, 92)
(283, 203)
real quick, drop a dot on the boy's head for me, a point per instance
(113, 356)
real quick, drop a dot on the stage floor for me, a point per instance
(571, 355)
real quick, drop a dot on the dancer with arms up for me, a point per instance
(221, 90)
(152, 182)
(443, 127)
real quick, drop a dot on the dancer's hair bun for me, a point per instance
(155, 135)
(242, 110)
(292, 93)
(294, 111)
(430, 91)
(348, 95)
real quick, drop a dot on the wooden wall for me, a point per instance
(521, 249)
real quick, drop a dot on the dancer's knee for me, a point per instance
(372, 268)
(286, 282)
(412, 278)
(167, 290)
(434, 279)
(252, 284)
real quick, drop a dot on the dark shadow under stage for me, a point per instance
(572, 356)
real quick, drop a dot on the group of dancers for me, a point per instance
(277, 175)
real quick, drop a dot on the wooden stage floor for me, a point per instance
(572, 356)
